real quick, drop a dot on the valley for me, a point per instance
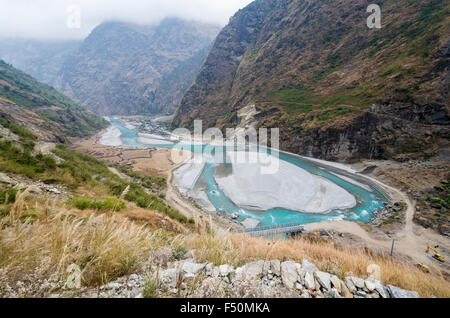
(116, 180)
(411, 239)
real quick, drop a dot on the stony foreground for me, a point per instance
(260, 279)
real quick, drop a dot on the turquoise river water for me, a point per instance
(368, 201)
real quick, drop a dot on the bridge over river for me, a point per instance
(290, 228)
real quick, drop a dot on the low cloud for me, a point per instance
(50, 19)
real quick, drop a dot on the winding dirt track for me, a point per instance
(411, 241)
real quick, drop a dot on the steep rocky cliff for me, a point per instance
(336, 88)
(126, 69)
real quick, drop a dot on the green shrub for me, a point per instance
(179, 252)
(151, 288)
(8, 195)
(109, 204)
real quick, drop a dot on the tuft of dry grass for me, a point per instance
(104, 247)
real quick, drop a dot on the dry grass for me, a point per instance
(152, 220)
(104, 246)
(40, 239)
(237, 249)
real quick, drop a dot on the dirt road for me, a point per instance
(411, 241)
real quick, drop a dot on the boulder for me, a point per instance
(370, 285)
(374, 285)
(358, 282)
(5, 179)
(253, 270)
(266, 269)
(396, 292)
(361, 294)
(318, 294)
(275, 267)
(289, 274)
(309, 267)
(332, 293)
(309, 281)
(345, 292)
(225, 270)
(324, 279)
(169, 277)
(250, 223)
(209, 269)
(191, 268)
(337, 283)
(239, 273)
(350, 285)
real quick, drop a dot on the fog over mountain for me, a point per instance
(48, 19)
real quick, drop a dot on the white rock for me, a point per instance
(370, 285)
(225, 270)
(169, 277)
(333, 293)
(309, 267)
(266, 268)
(275, 267)
(401, 293)
(54, 190)
(358, 282)
(345, 292)
(5, 179)
(190, 267)
(239, 273)
(215, 272)
(298, 286)
(377, 286)
(309, 281)
(209, 269)
(112, 286)
(253, 270)
(250, 223)
(350, 285)
(336, 283)
(289, 274)
(324, 279)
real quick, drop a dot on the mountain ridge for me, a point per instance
(121, 67)
(42, 109)
(337, 90)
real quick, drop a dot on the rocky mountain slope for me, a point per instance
(49, 114)
(336, 89)
(126, 69)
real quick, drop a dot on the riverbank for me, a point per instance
(411, 239)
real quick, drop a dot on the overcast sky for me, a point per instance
(50, 19)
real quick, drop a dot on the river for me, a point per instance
(368, 201)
